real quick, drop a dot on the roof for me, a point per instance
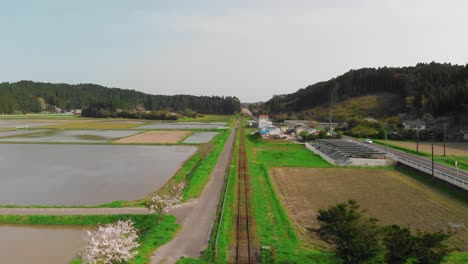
(263, 116)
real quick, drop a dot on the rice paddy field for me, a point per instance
(182, 125)
(386, 194)
(60, 174)
(200, 137)
(159, 136)
(71, 136)
(15, 239)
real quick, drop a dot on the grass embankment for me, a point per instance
(226, 224)
(448, 160)
(198, 178)
(152, 235)
(272, 223)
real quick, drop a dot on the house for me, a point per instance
(464, 134)
(414, 124)
(299, 128)
(252, 123)
(263, 121)
(270, 131)
(262, 118)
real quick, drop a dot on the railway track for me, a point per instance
(244, 249)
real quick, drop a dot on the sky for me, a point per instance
(251, 49)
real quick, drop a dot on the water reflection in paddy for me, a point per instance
(39, 244)
(84, 174)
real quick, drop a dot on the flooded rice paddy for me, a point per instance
(200, 137)
(39, 244)
(25, 124)
(17, 132)
(32, 174)
(183, 125)
(74, 136)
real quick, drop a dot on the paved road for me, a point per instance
(198, 220)
(461, 174)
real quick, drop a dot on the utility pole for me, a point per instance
(432, 145)
(445, 136)
(386, 142)
(417, 139)
(332, 103)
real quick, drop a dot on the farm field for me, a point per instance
(200, 137)
(452, 149)
(43, 174)
(15, 239)
(72, 136)
(387, 195)
(159, 136)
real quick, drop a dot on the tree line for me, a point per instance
(31, 97)
(428, 88)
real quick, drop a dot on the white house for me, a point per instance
(299, 128)
(414, 124)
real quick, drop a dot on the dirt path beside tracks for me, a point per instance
(196, 227)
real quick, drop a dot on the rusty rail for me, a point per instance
(244, 252)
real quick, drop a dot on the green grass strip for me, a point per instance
(200, 176)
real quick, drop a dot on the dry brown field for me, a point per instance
(155, 137)
(452, 149)
(388, 195)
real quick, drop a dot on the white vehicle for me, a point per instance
(368, 140)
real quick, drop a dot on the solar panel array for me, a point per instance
(339, 149)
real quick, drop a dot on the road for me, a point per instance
(198, 221)
(459, 174)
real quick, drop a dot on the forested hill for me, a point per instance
(28, 96)
(434, 88)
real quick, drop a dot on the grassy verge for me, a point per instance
(273, 226)
(448, 160)
(197, 180)
(226, 225)
(152, 235)
(407, 150)
(438, 186)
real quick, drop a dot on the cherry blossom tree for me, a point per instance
(161, 203)
(111, 243)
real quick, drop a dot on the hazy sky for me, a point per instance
(250, 49)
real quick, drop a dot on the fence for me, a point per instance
(455, 180)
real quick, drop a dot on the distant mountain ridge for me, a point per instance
(434, 88)
(29, 96)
